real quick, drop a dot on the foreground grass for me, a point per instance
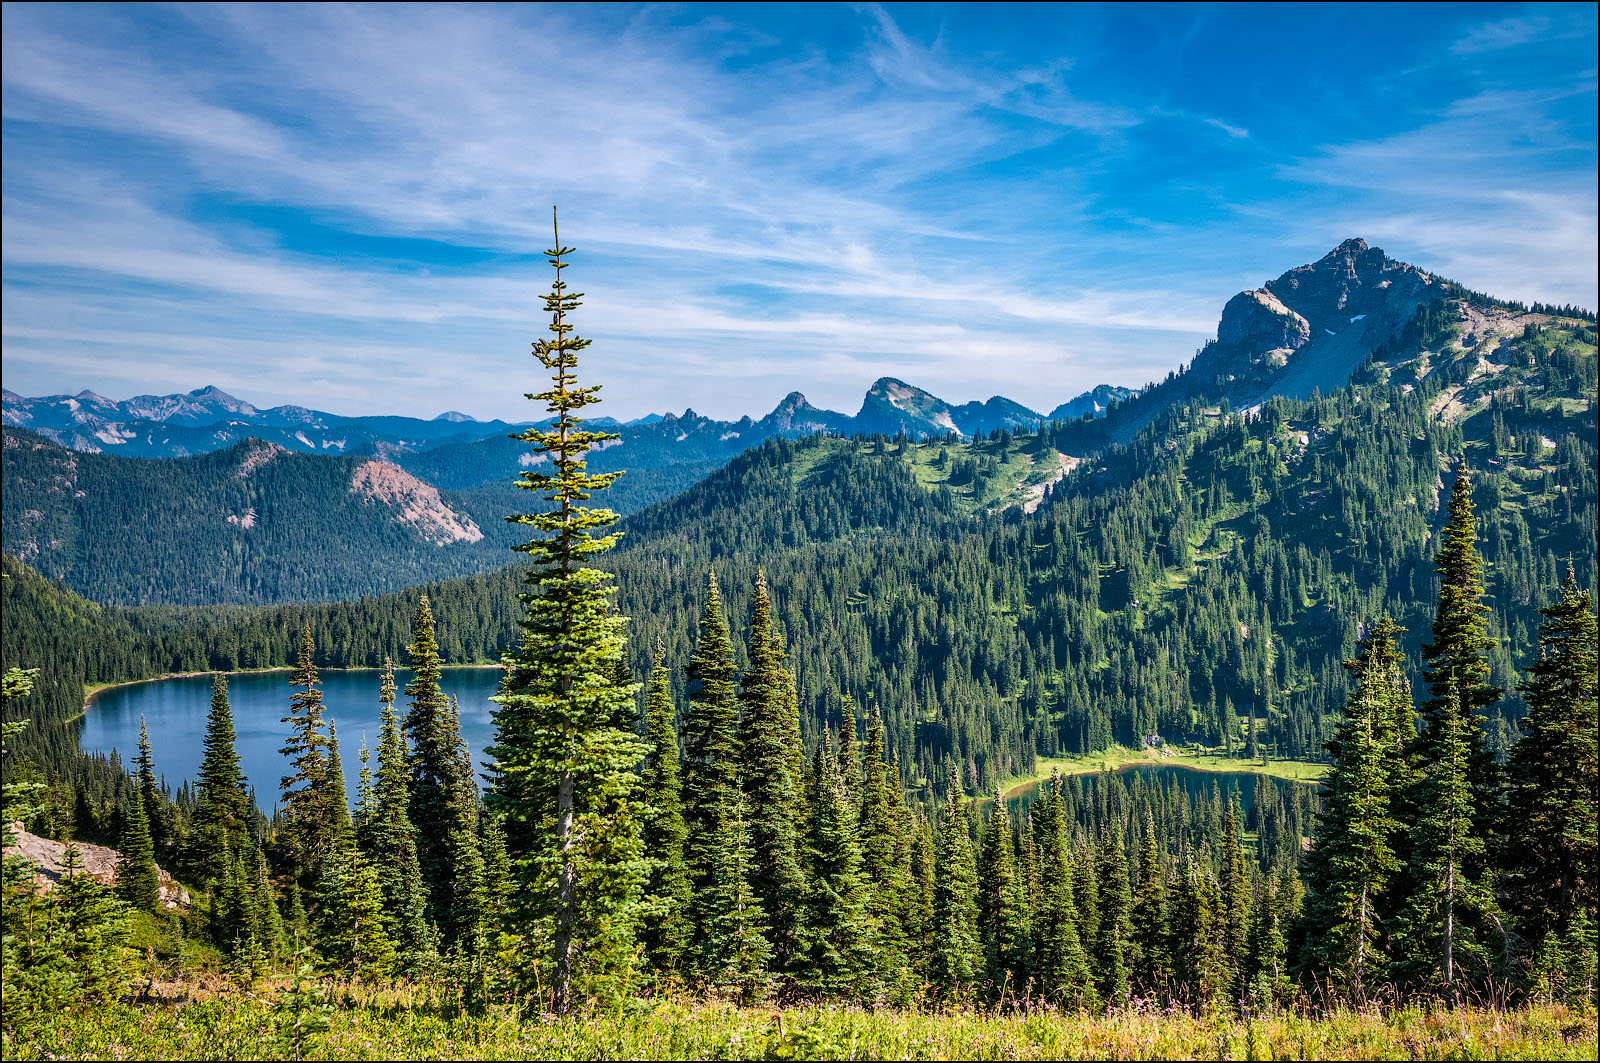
(249, 1028)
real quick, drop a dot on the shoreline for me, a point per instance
(1095, 764)
(94, 690)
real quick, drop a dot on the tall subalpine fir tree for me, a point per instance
(666, 928)
(957, 960)
(144, 773)
(1151, 933)
(1198, 964)
(389, 837)
(1455, 790)
(839, 930)
(1002, 907)
(711, 760)
(439, 794)
(1114, 944)
(886, 858)
(564, 771)
(1354, 855)
(1457, 665)
(309, 817)
(222, 805)
(769, 784)
(1235, 896)
(1450, 900)
(137, 882)
(1554, 773)
(1060, 967)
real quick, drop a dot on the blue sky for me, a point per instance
(344, 207)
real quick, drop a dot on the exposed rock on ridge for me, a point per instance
(418, 504)
(99, 863)
(1312, 326)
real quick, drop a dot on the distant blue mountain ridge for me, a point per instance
(209, 419)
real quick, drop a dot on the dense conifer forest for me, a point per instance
(751, 741)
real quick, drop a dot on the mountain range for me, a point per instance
(208, 418)
(433, 492)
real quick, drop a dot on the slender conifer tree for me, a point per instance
(1354, 855)
(309, 817)
(666, 932)
(565, 774)
(1552, 879)
(769, 784)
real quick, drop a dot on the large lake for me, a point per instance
(175, 714)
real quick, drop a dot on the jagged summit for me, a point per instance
(1310, 327)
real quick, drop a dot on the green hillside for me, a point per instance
(1213, 570)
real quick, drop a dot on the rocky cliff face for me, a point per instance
(893, 406)
(416, 504)
(99, 862)
(1312, 326)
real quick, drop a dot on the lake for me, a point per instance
(175, 715)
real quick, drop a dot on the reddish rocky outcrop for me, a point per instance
(99, 863)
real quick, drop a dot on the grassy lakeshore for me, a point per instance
(384, 1027)
(91, 690)
(1193, 757)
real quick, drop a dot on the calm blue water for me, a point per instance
(175, 714)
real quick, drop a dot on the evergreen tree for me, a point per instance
(1060, 967)
(1448, 895)
(1151, 930)
(886, 857)
(1113, 947)
(353, 940)
(1235, 897)
(564, 772)
(731, 951)
(389, 838)
(957, 950)
(438, 795)
(144, 773)
(309, 820)
(1354, 854)
(1457, 667)
(1197, 928)
(137, 882)
(666, 931)
(840, 930)
(924, 874)
(222, 806)
(711, 764)
(268, 922)
(849, 770)
(769, 783)
(1002, 912)
(1555, 777)
(1269, 983)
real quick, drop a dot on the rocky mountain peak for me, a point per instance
(1311, 326)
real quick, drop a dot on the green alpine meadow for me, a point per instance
(1235, 695)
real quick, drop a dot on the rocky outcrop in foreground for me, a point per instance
(99, 862)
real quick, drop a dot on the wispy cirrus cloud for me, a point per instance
(980, 206)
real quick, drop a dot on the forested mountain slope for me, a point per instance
(252, 523)
(1216, 569)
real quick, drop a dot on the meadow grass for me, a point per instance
(384, 1027)
(1194, 757)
